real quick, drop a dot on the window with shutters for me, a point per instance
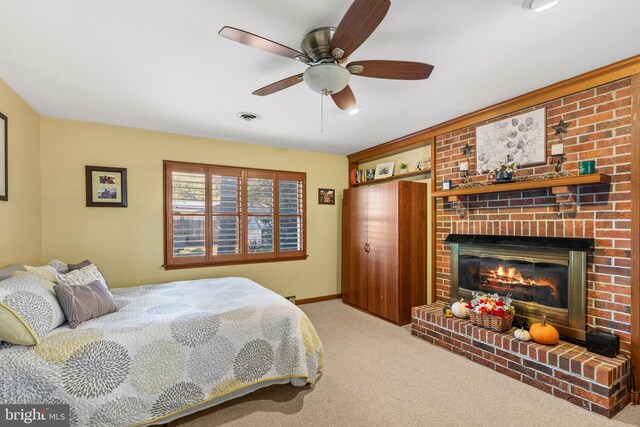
(226, 215)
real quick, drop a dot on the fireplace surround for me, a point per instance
(544, 276)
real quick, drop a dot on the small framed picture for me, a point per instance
(326, 196)
(106, 187)
(384, 170)
(4, 158)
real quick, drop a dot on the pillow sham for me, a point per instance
(84, 276)
(8, 271)
(46, 271)
(79, 265)
(28, 310)
(84, 302)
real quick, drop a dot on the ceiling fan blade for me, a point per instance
(279, 85)
(253, 40)
(344, 99)
(398, 70)
(362, 18)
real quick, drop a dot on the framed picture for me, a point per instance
(106, 187)
(326, 196)
(384, 170)
(521, 139)
(4, 158)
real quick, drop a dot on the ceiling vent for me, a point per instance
(248, 117)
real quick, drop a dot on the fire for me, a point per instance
(512, 273)
(511, 276)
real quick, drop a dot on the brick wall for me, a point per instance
(600, 130)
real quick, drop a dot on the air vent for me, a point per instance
(248, 117)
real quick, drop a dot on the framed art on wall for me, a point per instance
(106, 187)
(521, 139)
(4, 158)
(326, 196)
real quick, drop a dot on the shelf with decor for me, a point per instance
(391, 178)
(594, 178)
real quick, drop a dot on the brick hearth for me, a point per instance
(567, 371)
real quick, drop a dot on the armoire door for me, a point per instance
(354, 255)
(382, 237)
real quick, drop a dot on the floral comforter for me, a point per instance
(168, 348)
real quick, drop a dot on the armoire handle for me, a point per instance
(367, 248)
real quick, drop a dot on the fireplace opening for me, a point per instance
(543, 276)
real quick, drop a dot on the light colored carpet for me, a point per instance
(377, 374)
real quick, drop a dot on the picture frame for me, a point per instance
(521, 139)
(326, 196)
(106, 187)
(4, 158)
(384, 170)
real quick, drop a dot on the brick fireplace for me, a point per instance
(600, 130)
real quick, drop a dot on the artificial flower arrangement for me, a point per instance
(505, 167)
(492, 304)
(492, 311)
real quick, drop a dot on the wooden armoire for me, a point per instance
(384, 248)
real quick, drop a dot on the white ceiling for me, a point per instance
(160, 64)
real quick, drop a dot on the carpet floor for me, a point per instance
(377, 374)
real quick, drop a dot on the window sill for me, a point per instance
(238, 262)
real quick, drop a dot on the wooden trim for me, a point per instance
(235, 262)
(318, 299)
(600, 76)
(594, 178)
(635, 228)
(434, 221)
(394, 177)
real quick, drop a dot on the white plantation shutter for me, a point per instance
(216, 215)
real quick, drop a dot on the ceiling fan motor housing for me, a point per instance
(316, 45)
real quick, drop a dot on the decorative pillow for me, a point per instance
(84, 276)
(28, 311)
(8, 271)
(60, 266)
(83, 302)
(46, 271)
(79, 265)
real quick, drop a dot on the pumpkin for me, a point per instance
(543, 333)
(522, 335)
(445, 309)
(448, 313)
(460, 310)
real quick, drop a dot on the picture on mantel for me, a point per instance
(520, 138)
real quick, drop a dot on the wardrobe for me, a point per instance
(384, 248)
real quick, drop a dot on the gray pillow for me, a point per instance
(78, 266)
(7, 272)
(28, 310)
(84, 302)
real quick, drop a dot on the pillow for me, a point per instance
(28, 311)
(60, 266)
(8, 271)
(79, 265)
(45, 271)
(84, 302)
(84, 276)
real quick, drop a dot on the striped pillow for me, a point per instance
(84, 302)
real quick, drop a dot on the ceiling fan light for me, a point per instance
(355, 109)
(326, 78)
(539, 5)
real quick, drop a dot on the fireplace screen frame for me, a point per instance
(576, 260)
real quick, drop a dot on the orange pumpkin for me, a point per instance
(543, 333)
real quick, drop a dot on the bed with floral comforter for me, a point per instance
(169, 348)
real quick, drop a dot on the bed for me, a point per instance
(168, 351)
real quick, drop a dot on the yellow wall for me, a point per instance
(127, 243)
(20, 216)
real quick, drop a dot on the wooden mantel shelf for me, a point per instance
(391, 178)
(595, 178)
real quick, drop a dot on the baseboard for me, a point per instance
(318, 299)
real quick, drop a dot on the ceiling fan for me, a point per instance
(326, 50)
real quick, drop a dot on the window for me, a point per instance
(225, 215)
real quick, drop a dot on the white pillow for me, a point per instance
(84, 276)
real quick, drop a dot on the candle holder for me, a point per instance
(558, 159)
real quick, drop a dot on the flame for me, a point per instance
(512, 273)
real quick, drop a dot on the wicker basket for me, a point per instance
(495, 323)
